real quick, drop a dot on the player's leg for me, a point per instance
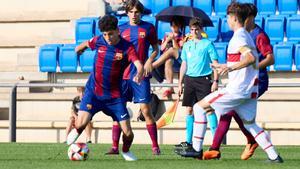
(117, 110)
(169, 77)
(81, 122)
(70, 125)
(247, 113)
(171, 52)
(116, 130)
(189, 98)
(151, 127)
(251, 143)
(88, 132)
(116, 134)
(142, 95)
(200, 124)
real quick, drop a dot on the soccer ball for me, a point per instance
(78, 151)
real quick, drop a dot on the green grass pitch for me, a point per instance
(54, 156)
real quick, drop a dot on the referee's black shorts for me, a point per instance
(195, 89)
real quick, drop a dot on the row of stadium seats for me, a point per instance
(265, 7)
(52, 56)
(275, 27)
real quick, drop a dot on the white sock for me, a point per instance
(263, 140)
(200, 124)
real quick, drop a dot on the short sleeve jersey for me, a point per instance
(109, 64)
(242, 82)
(141, 36)
(198, 56)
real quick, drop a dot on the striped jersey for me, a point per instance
(141, 36)
(242, 82)
(109, 64)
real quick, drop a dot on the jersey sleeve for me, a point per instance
(152, 36)
(184, 52)
(92, 42)
(131, 53)
(212, 52)
(263, 44)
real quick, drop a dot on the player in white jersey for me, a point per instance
(240, 94)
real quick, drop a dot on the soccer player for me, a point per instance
(142, 34)
(195, 71)
(240, 94)
(103, 88)
(266, 58)
(74, 113)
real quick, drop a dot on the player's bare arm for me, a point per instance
(148, 65)
(268, 61)
(82, 47)
(214, 85)
(181, 76)
(138, 77)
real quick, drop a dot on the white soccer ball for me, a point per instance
(78, 151)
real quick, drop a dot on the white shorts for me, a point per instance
(224, 102)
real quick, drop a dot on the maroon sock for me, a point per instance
(116, 134)
(152, 130)
(221, 131)
(127, 141)
(248, 135)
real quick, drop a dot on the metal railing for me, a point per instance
(15, 86)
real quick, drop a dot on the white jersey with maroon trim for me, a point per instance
(242, 82)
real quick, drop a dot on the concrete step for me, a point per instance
(30, 34)
(9, 57)
(7, 77)
(36, 10)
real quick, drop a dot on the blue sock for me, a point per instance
(189, 128)
(213, 122)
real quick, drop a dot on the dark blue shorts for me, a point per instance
(115, 108)
(138, 93)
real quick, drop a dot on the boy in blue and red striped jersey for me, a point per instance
(103, 89)
(142, 34)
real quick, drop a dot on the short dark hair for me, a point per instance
(108, 23)
(130, 4)
(237, 9)
(196, 22)
(178, 21)
(252, 9)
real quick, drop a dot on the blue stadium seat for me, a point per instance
(149, 18)
(206, 6)
(222, 52)
(159, 5)
(162, 29)
(147, 4)
(297, 56)
(86, 60)
(274, 27)
(266, 7)
(68, 58)
(181, 2)
(287, 7)
(283, 55)
(246, 1)
(122, 20)
(259, 20)
(97, 30)
(293, 29)
(84, 29)
(221, 7)
(225, 33)
(213, 32)
(48, 55)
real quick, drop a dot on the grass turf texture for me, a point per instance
(44, 156)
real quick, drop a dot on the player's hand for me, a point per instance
(180, 90)
(148, 68)
(214, 86)
(138, 78)
(222, 69)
